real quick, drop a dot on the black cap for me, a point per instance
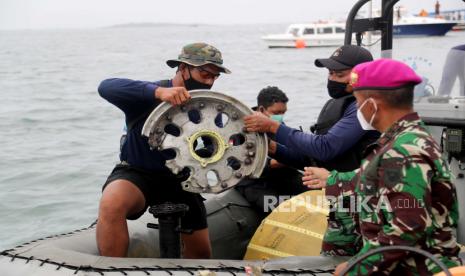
(345, 57)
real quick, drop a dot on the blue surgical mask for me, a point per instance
(278, 118)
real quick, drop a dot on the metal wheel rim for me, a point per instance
(251, 153)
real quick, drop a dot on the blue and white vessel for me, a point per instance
(421, 26)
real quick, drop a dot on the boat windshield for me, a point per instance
(294, 31)
(440, 61)
(309, 31)
(452, 81)
(325, 30)
(436, 52)
(340, 30)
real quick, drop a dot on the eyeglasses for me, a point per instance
(207, 74)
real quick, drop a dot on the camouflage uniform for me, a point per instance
(411, 201)
(342, 236)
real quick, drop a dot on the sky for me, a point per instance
(46, 14)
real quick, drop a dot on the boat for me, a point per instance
(232, 222)
(421, 26)
(457, 16)
(331, 34)
(460, 26)
(231, 219)
(321, 34)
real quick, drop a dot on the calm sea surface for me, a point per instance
(59, 139)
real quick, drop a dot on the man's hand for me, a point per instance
(315, 178)
(259, 122)
(275, 164)
(173, 95)
(340, 268)
(271, 147)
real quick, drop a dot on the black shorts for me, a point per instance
(160, 188)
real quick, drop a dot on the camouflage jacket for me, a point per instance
(405, 197)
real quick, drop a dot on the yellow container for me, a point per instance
(295, 228)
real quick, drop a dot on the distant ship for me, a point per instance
(457, 16)
(421, 26)
(308, 35)
(323, 34)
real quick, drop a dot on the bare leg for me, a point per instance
(197, 245)
(120, 199)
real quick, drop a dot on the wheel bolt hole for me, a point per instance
(236, 139)
(212, 178)
(221, 119)
(172, 129)
(194, 116)
(234, 163)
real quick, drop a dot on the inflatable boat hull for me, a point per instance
(232, 222)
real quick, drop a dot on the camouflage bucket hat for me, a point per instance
(198, 54)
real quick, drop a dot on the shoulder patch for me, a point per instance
(392, 171)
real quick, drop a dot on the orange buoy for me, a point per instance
(300, 43)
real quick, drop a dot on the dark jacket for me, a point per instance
(136, 99)
(337, 143)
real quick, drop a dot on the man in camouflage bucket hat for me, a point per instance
(403, 181)
(141, 179)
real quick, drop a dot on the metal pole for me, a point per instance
(350, 20)
(386, 32)
(370, 15)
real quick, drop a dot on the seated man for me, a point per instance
(404, 186)
(337, 141)
(141, 179)
(277, 182)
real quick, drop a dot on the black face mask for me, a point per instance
(192, 84)
(337, 89)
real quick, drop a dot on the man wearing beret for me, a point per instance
(337, 140)
(404, 186)
(141, 179)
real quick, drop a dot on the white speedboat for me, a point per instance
(308, 35)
